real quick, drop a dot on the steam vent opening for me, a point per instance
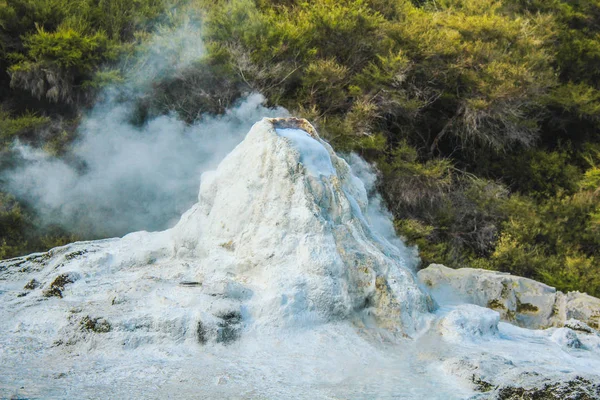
(284, 280)
(294, 123)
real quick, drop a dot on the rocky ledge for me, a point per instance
(520, 301)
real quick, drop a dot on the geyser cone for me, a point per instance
(284, 216)
(263, 290)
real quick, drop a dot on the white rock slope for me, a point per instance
(274, 285)
(284, 216)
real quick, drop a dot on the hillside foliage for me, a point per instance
(482, 117)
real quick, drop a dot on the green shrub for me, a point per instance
(27, 124)
(13, 224)
(59, 63)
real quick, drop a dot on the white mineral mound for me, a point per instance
(274, 285)
(283, 218)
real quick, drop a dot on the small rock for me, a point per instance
(202, 333)
(469, 321)
(229, 328)
(567, 338)
(579, 326)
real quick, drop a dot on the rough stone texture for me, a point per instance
(521, 301)
(294, 123)
(577, 388)
(294, 232)
(582, 307)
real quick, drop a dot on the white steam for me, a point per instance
(120, 177)
(167, 52)
(133, 178)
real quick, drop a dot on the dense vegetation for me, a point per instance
(483, 117)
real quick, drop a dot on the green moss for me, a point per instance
(594, 321)
(526, 307)
(62, 280)
(53, 292)
(505, 293)
(97, 325)
(481, 385)
(510, 315)
(32, 284)
(496, 304)
(58, 285)
(75, 255)
(228, 245)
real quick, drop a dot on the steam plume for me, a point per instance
(121, 177)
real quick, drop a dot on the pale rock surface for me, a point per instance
(276, 284)
(469, 322)
(293, 232)
(522, 301)
(566, 337)
(581, 307)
